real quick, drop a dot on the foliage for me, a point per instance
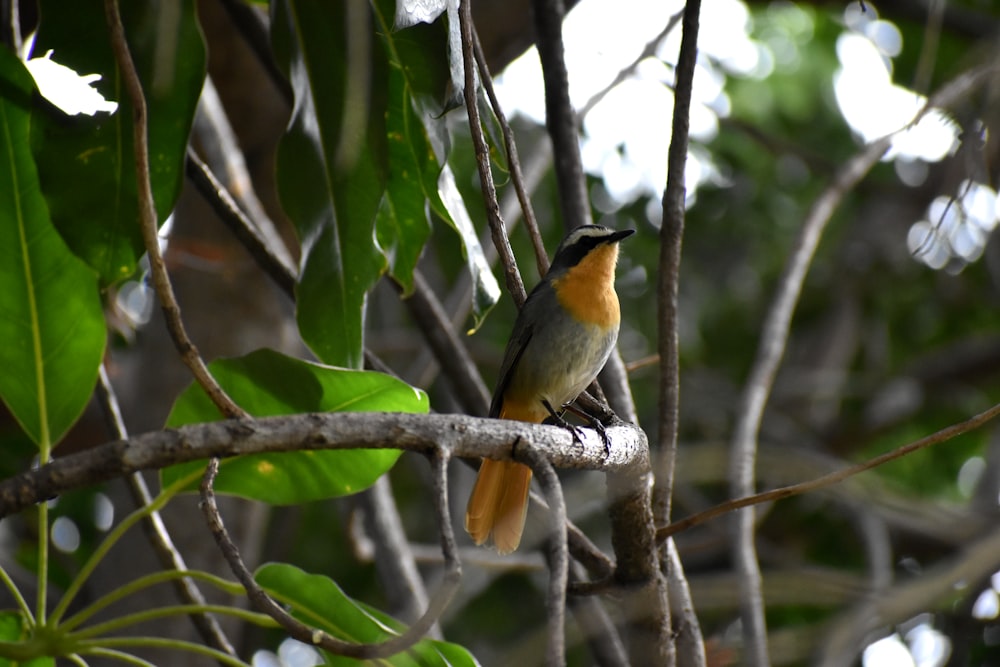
(375, 180)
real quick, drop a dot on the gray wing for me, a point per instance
(524, 328)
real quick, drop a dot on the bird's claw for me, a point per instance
(598, 426)
(595, 423)
(556, 419)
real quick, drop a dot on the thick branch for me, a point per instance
(462, 436)
(644, 590)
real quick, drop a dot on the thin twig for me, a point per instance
(832, 478)
(771, 347)
(499, 232)
(319, 638)
(218, 143)
(560, 118)
(239, 223)
(771, 350)
(516, 175)
(147, 219)
(671, 235)
(254, 30)
(156, 532)
(404, 590)
(688, 640)
(648, 51)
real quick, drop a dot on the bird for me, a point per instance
(560, 342)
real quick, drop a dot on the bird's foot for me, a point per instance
(556, 419)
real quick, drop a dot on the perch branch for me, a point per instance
(463, 436)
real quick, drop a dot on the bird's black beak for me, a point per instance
(618, 236)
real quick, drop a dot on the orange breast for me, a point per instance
(587, 291)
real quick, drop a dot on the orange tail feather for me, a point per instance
(499, 504)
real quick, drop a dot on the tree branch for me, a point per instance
(304, 633)
(560, 118)
(832, 478)
(556, 554)
(513, 277)
(671, 234)
(461, 435)
(240, 224)
(600, 633)
(770, 351)
(156, 532)
(148, 222)
(451, 353)
(516, 175)
(637, 573)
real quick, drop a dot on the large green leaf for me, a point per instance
(331, 172)
(402, 224)
(52, 331)
(419, 144)
(266, 383)
(358, 217)
(85, 163)
(320, 603)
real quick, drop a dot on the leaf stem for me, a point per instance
(95, 645)
(146, 581)
(22, 604)
(43, 554)
(121, 622)
(120, 656)
(109, 541)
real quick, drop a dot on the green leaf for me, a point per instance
(320, 603)
(51, 324)
(420, 55)
(85, 163)
(332, 171)
(402, 224)
(266, 383)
